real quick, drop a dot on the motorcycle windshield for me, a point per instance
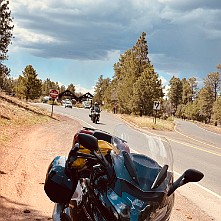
(147, 171)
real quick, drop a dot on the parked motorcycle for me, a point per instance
(101, 181)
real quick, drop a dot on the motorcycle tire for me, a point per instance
(65, 217)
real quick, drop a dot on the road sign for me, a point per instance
(53, 93)
(156, 105)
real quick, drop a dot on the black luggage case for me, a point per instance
(59, 185)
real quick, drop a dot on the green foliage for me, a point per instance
(186, 91)
(175, 92)
(5, 38)
(212, 81)
(62, 89)
(29, 86)
(217, 110)
(146, 90)
(71, 88)
(8, 84)
(191, 111)
(47, 85)
(135, 84)
(100, 88)
(205, 101)
(193, 86)
(180, 111)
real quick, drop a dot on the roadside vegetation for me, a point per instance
(149, 123)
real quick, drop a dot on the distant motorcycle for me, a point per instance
(101, 181)
(95, 115)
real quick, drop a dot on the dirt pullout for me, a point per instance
(23, 165)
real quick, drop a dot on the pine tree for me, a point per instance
(47, 85)
(193, 85)
(5, 38)
(205, 103)
(128, 70)
(100, 88)
(29, 86)
(216, 110)
(71, 88)
(213, 81)
(146, 90)
(175, 92)
(187, 92)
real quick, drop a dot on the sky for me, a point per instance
(76, 41)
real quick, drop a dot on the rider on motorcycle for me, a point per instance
(95, 107)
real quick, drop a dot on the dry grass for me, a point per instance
(148, 122)
(15, 114)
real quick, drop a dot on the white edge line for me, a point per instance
(207, 130)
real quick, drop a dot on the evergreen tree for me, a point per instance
(29, 86)
(126, 75)
(186, 91)
(132, 64)
(212, 81)
(193, 85)
(62, 88)
(175, 92)
(5, 38)
(9, 85)
(47, 85)
(71, 88)
(217, 110)
(100, 88)
(205, 102)
(146, 90)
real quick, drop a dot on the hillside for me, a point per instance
(16, 114)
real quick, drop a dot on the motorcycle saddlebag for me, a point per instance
(59, 186)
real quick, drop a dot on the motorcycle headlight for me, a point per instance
(120, 206)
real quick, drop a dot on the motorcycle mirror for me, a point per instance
(88, 141)
(190, 175)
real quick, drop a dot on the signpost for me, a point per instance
(53, 94)
(156, 107)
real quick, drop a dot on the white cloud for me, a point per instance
(24, 36)
(83, 90)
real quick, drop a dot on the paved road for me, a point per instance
(192, 148)
(195, 132)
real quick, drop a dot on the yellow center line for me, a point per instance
(194, 147)
(186, 144)
(197, 140)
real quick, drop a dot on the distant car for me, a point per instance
(86, 105)
(68, 104)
